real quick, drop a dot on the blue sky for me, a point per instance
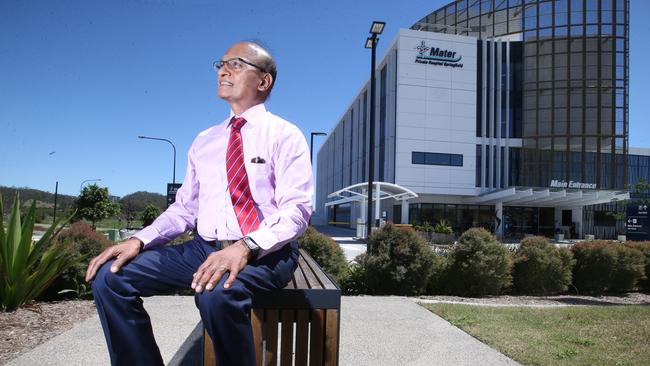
(80, 80)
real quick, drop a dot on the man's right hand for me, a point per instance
(124, 252)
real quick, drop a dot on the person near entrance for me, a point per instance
(247, 193)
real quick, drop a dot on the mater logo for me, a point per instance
(437, 56)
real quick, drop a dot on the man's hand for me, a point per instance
(124, 252)
(231, 259)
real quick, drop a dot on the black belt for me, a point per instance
(222, 243)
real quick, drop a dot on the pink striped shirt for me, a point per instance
(276, 158)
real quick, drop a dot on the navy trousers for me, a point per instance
(161, 270)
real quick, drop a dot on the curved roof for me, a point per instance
(356, 192)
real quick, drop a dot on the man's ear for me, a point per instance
(265, 83)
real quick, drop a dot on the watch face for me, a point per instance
(251, 244)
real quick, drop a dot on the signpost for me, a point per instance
(638, 222)
(171, 192)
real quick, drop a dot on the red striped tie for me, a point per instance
(240, 191)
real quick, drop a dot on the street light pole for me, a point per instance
(376, 29)
(81, 186)
(173, 147)
(56, 195)
(311, 145)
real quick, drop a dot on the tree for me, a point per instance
(641, 189)
(93, 204)
(149, 214)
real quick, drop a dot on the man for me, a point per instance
(248, 187)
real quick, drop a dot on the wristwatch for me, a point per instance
(250, 243)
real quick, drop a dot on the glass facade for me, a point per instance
(574, 63)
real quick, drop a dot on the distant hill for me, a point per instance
(132, 204)
(43, 199)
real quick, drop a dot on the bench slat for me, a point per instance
(322, 278)
(271, 323)
(316, 337)
(331, 337)
(299, 276)
(257, 320)
(286, 343)
(312, 279)
(302, 336)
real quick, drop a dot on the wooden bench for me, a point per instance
(299, 322)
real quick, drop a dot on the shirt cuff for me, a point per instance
(150, 237)
(264, 237)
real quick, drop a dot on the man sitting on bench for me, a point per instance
(248, 187)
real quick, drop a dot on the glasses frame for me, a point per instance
(217, 65)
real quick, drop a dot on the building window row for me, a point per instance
(428, 158)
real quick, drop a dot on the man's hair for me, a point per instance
(266, 62)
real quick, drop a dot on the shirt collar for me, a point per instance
(252, 115)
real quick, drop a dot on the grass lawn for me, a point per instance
(576, 335)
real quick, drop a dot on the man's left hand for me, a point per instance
(231, 259)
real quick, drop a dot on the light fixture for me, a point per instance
(369, 42)
(377, 27)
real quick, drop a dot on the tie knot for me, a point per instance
(237, 122)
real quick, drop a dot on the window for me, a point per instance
(426, 158)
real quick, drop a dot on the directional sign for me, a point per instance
(638, 222)
(171, 192)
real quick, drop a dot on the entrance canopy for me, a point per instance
(358, 192)
(548, 197)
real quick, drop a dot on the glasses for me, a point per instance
(234, 64)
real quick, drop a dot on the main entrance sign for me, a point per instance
(571, 184)
(437, 56)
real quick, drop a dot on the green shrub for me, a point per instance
(606, 266)
(86, 243)
(594, 269)
(27, 267)
(326, 252)
(540, 268)
(443, 227)
(424, 227)
(478, 265)
(400, 263)
(643, 247)
(355, 282)
(629, 268)
(436, 282)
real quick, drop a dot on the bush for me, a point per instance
(540, 268)
(478, 265)
(400, 263)
(85, 243)
(436, 282)
(443, 227)
(643, 247)
(606, 266)
(355, 282)
(326, 252)
(629, 268)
